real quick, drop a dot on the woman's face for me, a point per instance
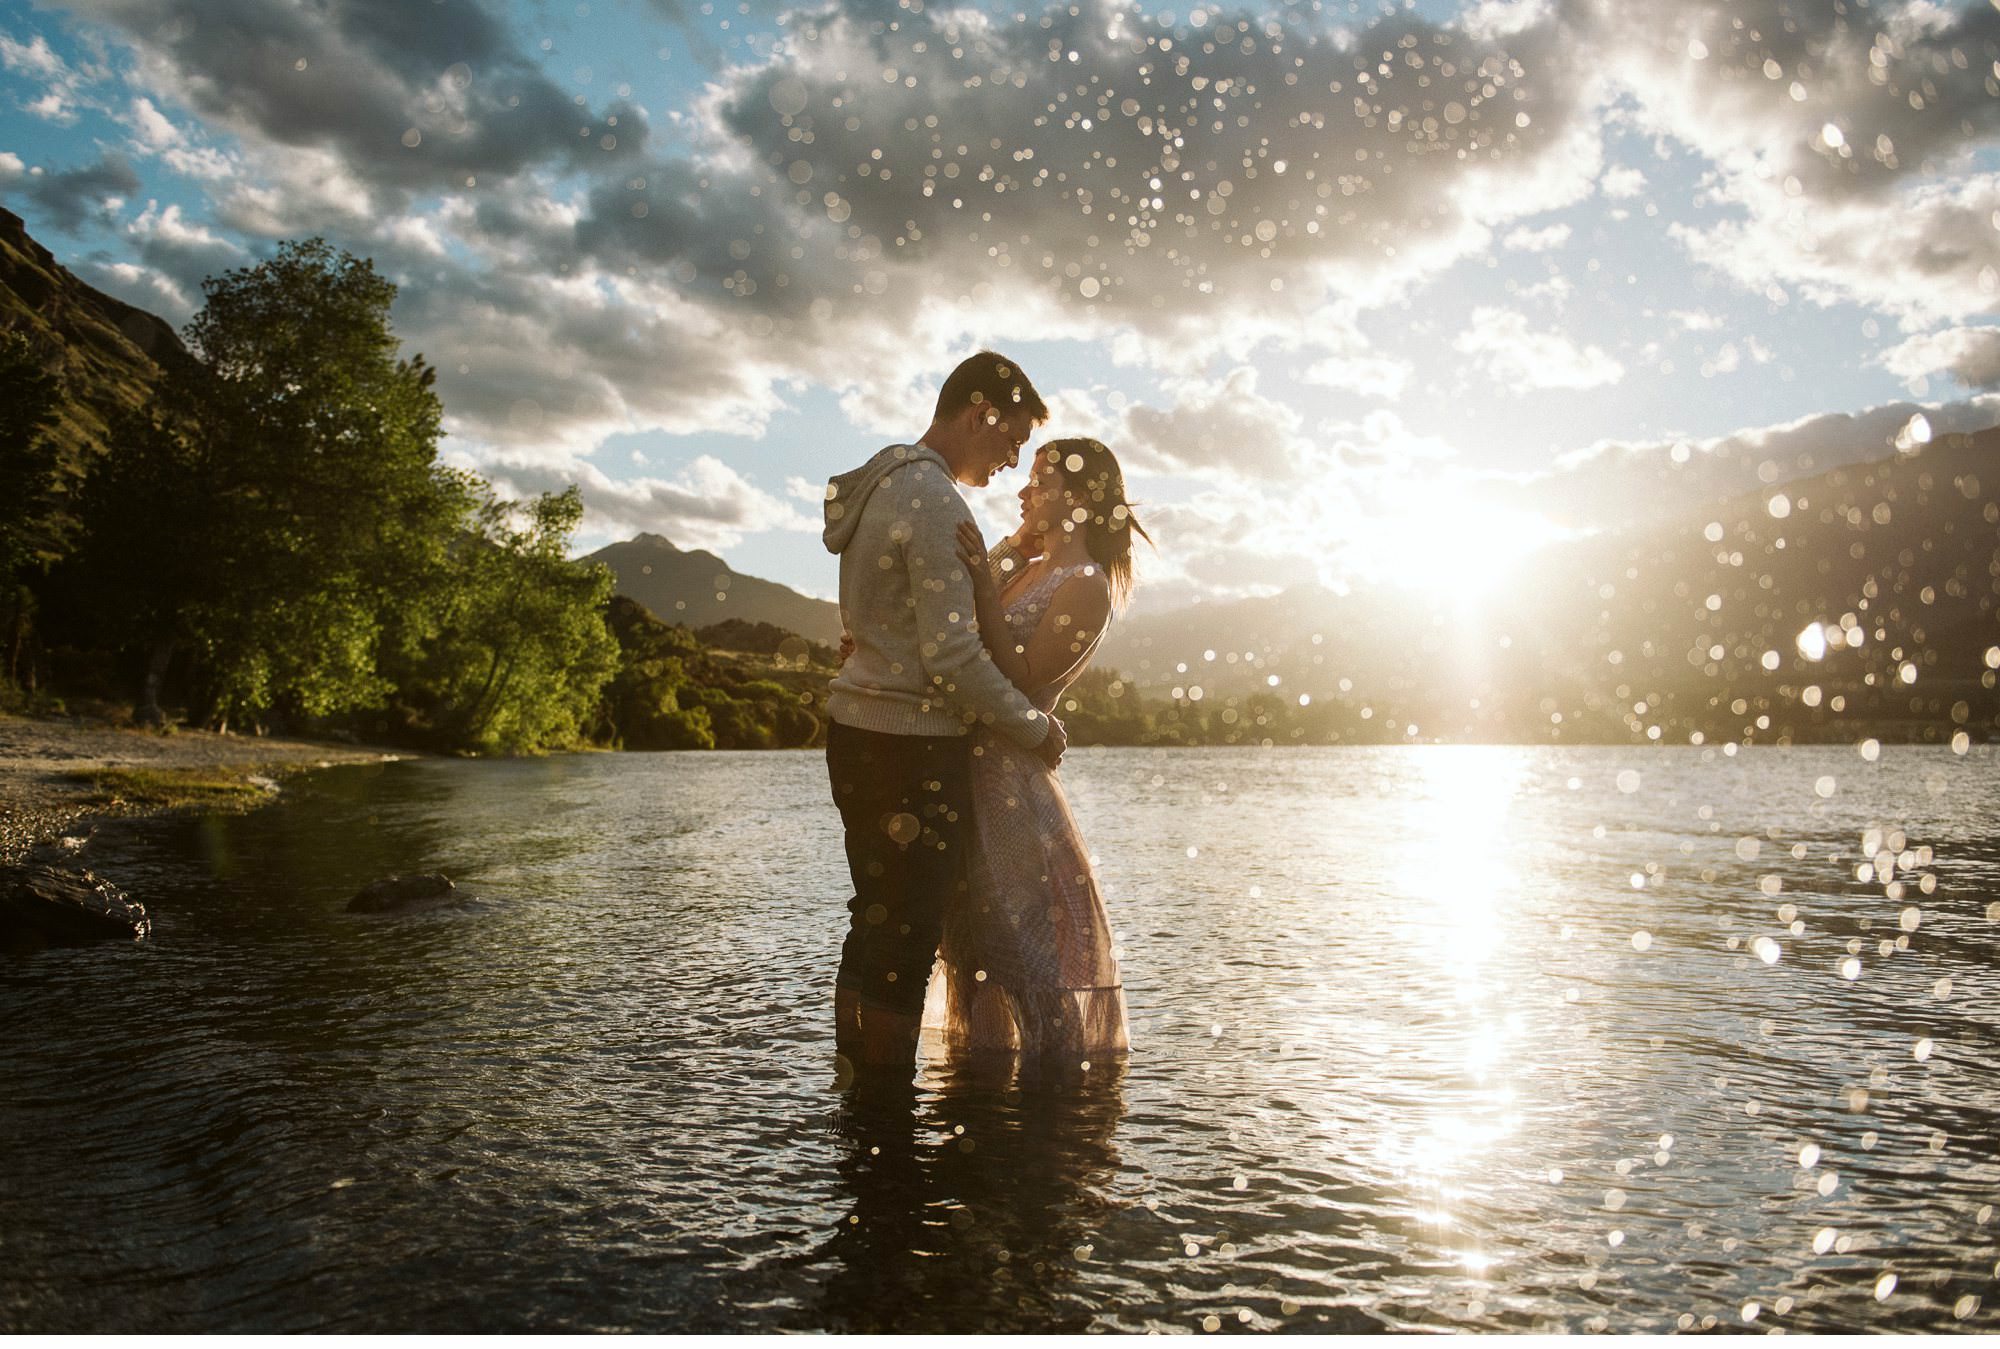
(1044, 502)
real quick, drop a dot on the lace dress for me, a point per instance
(1026, 964)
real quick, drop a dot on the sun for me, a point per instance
(1450, 546)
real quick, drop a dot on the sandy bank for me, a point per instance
(58, 773)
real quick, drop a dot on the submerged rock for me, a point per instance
(42, 904)
(396, 894)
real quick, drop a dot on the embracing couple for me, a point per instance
(942, 749)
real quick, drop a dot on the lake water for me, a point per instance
(1493, 1039)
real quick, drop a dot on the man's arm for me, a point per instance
(955, 661)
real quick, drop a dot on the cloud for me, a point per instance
(708, 505)
(1969, 355)
(1518, 359)
(1224, 426)
(1621, 182)
(1527, 240)
(75, 197)
(1094, 168)
(1351, 361)
(1842, 142)
(1371, 376)
(144, 287)
(151, 126)
(1931, 254)
(62, 87)
(556, 364)
(1619, 482)
(409, 97)
(1692, 320)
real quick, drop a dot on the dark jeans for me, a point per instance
(906, 804)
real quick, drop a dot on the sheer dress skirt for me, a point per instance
(1025, 964)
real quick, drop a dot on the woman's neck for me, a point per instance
(1065, 548)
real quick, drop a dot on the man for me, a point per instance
(918, 679)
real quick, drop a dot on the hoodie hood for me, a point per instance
(848, 493)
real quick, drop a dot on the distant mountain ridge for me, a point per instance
(1659, 629)
(698, 588)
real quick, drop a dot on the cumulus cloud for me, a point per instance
(1620, 482)
(1622, 181)
(1841, 141)
(885, 182)
(1223, 426)
(151, 126)
(62, 88)
(1101, 168)
(707, 505)
(71, 198)
(559, 364)
(1518, 358)
(1351, 361)
(1541, 240)
(144, 287)
(1969, 355)
(1931, 254)
(407, 97)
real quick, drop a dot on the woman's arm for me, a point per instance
(1077, 612)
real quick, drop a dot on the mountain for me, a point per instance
(110, 354)
(1716, 622)
(698, 588)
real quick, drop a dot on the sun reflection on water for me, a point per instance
(1455, 890)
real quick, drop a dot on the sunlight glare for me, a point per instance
(1451, 545)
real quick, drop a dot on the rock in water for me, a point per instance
(395, 894)
(66, 905)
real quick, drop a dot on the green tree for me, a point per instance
(521, 651)
(305, 513)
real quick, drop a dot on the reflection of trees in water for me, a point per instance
(969, 1197)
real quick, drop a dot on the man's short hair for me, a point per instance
(989, 377)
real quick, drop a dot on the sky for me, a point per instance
(1361, 294)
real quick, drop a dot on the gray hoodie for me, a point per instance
(919, 667)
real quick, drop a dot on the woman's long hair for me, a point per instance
(1091, 473)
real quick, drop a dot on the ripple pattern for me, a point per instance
(1430, 1038)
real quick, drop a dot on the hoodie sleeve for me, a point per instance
(956, 664)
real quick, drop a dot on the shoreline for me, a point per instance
(60, 775)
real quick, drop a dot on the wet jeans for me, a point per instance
(905, 801)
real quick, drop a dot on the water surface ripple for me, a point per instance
(1494, 1039)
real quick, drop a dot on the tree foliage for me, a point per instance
(280, 529)
(519, 650)
(29, 396)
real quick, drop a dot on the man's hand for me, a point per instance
(846, 646)
(1052, 748)
(972, 552)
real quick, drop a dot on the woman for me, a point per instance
(1026, 963)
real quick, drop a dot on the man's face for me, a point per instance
(999, 441)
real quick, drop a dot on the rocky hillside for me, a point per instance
(109, 353)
